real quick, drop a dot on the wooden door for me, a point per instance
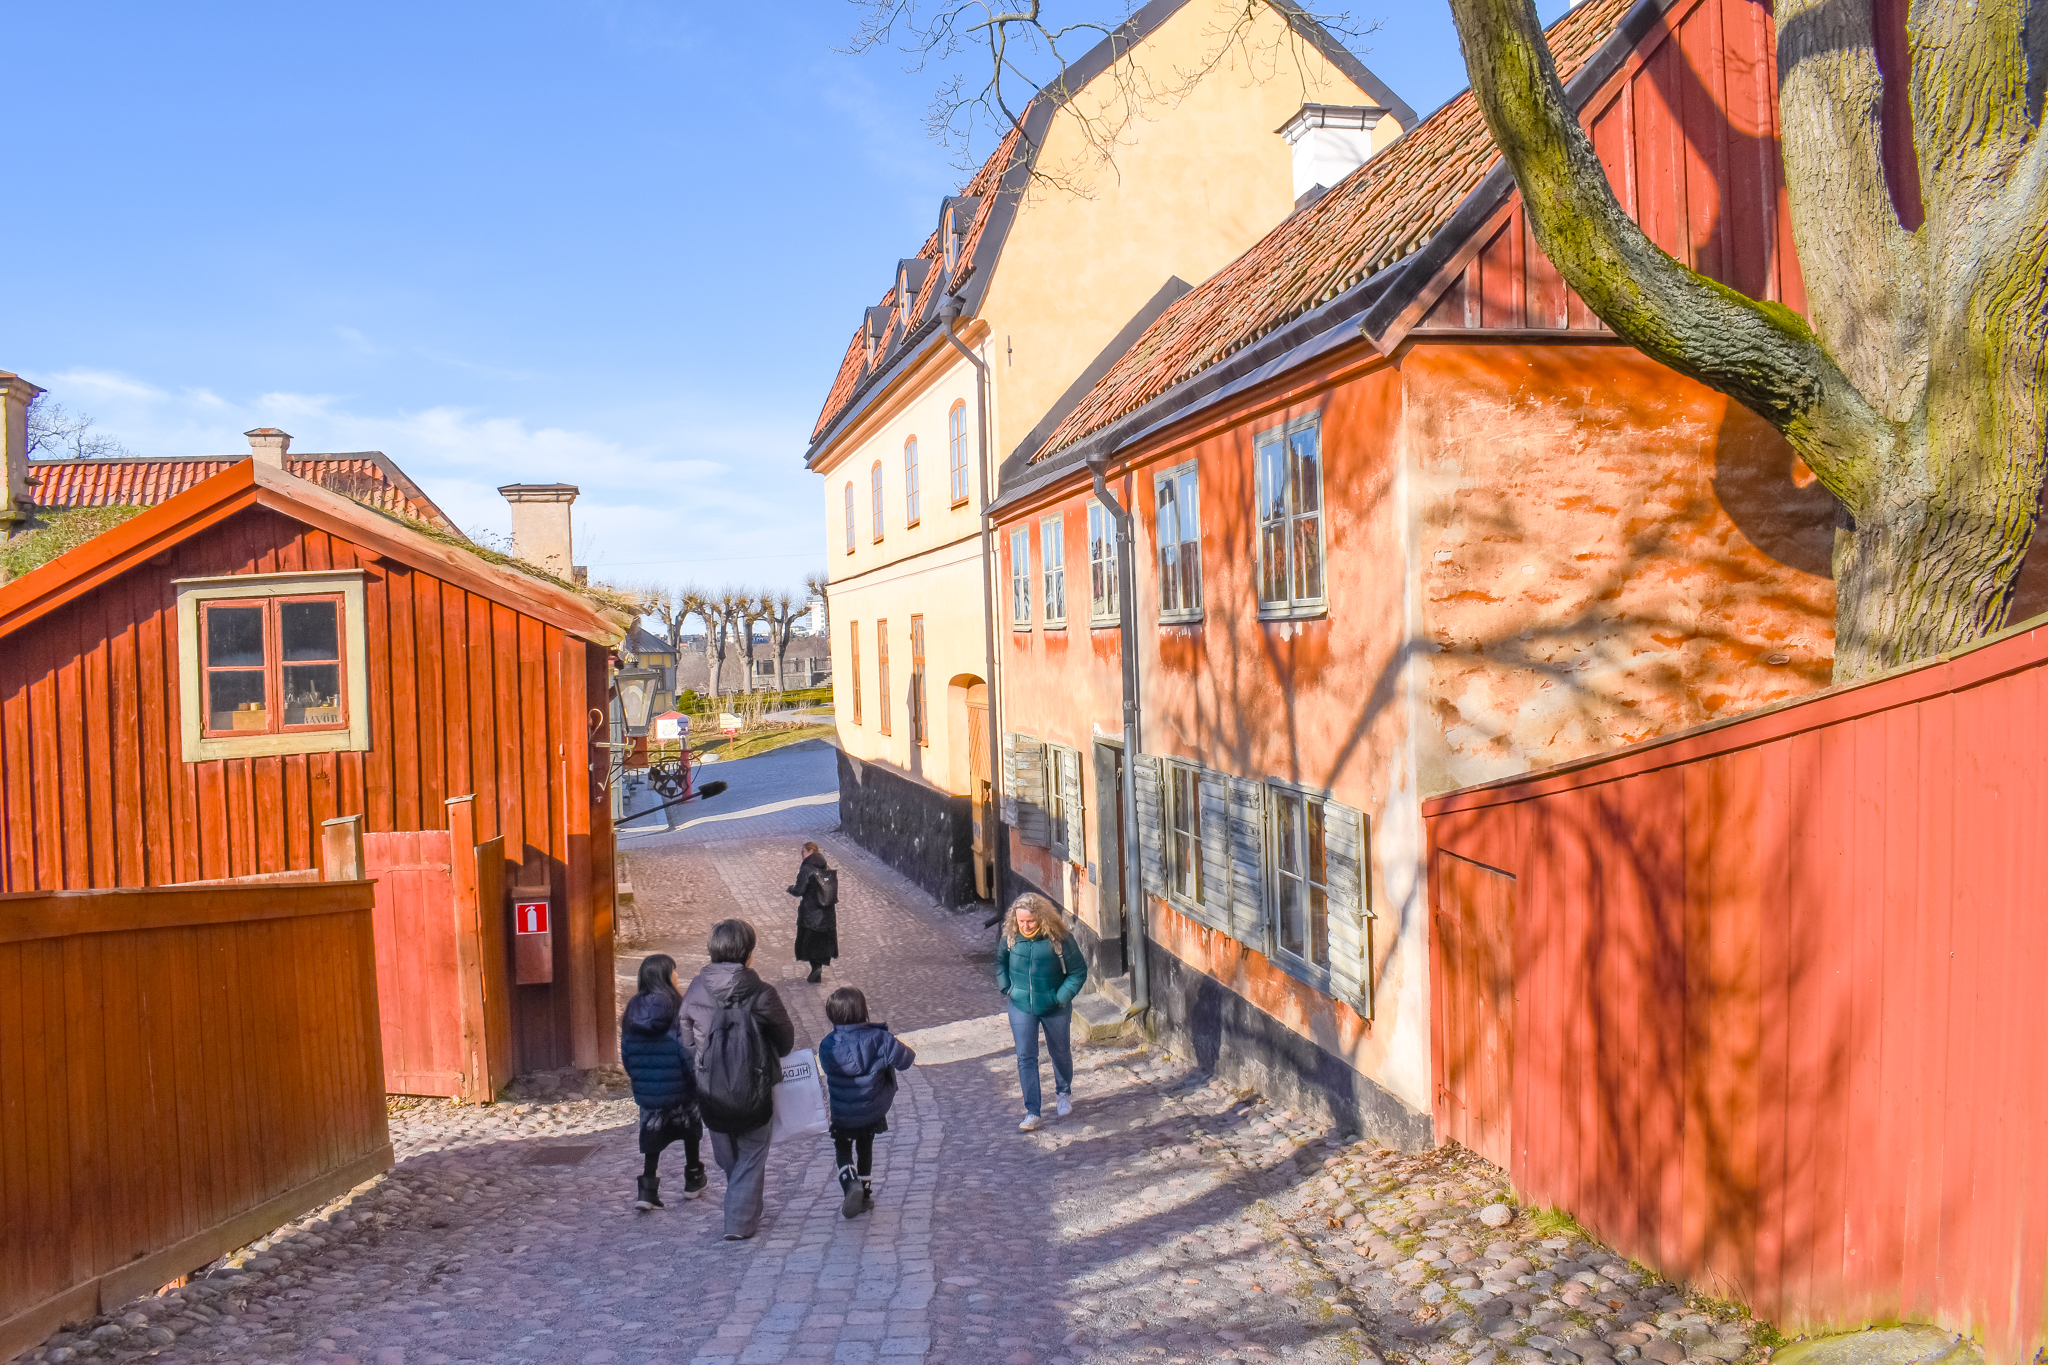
(979, 791)
(1473, 919)
(1110, 869)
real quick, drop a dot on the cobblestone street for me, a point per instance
(1167, 1220)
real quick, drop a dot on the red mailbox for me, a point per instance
(533, 943)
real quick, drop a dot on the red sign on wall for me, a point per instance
(530, 917)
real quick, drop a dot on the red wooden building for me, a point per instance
(193, 694)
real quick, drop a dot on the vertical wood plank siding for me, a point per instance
(466, 695)
(182, 1070)
(1760, 1003)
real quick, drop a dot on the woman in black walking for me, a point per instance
(664, 1079)
(817, 911)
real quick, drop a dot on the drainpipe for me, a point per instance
(1127, 646)
(949, 313)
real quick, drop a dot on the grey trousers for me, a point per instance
(744, 1159)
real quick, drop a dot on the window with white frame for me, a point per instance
(1290, 474)
(1301, 878)
(1052, 535)
(1184, 832)
(956, 451)
(1102, 585)
(875, 497)
(1020, 579)
(1179, 515)
(910, 482)
(849, 516)
(272, 664)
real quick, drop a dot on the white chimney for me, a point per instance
(267, 445)
(16, 497)
(540, 526)
(1330, 141)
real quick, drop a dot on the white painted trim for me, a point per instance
(197, 747)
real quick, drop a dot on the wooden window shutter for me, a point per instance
(1070, 805)
(1151, 824)
(1249, 922)
(1216, 849)
(1034, 825)
(1344, 848)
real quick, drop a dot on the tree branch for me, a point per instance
(1762, 354)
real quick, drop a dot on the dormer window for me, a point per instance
(949, 235)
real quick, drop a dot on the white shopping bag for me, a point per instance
(799, 1099)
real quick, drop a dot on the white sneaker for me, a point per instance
(1064, 1104)
(1031, 1123)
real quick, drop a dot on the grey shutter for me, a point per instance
(1248, 863)
(1151, 824)
(1070, 801)
(1216, 849)
(1010, 743)
(1344, 851)
(1033, 825)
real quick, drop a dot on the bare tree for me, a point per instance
(55, 434)
(1919, 393)
(673, 607)
(785, 609)
(756, 610)
(1009, 56)
(725, 611)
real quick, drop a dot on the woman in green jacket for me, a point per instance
(1039, 970)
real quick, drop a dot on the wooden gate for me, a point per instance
(443, 980)
(1473, 911)
(979, 791)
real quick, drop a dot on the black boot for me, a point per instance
(817, 972)
(856, 1200)
(650, 1194)
(694, 1180)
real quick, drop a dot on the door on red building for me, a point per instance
(1109, 875)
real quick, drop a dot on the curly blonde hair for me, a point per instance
(1051, 922)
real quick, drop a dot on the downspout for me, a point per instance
(949, 313)
(1127, 646)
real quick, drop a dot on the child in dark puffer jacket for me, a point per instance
(860, 1061)
(664, 1079)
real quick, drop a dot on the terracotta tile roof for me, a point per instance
(854, 366)
(366, 476)
(1386, 209)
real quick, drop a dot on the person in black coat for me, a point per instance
(860, 1061)
(817, 922)
(664, 1079)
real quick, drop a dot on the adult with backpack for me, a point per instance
(664, 1079)
(1039, 970)
(736, 1027)
(817, 912)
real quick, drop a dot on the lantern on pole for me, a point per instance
(636, 697)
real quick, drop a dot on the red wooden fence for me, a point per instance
(1761, 1003)
(182, 1069)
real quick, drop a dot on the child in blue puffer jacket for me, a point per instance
(664, 1079)
(860, 1061)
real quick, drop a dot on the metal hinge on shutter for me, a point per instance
(1215, 789)
(1249, 924)
(1151, 827)
(1348, 869)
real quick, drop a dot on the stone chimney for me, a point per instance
(1330, 141)
(268, 445)
(540, 526)
(16, 497)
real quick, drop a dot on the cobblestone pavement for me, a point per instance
(1167, 1220)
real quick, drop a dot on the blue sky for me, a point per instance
(615, 244)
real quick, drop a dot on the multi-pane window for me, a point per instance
(882, 676)
(1102, 601)
(849, 516)
(1290, 468)
(1301, 879)
(272, 665)
(1052, 535)
(1020, 579)
(910, 482)
(920, 728)
(1184, 832)
(1180, 543)
(956, 450)
(853, 663)
(875, 497)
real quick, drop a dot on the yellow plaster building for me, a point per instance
(1046, 267)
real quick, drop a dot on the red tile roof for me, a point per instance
(854, 366)
(366, 476)
(1387, 208)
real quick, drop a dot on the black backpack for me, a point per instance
(737, 1071)
(828, 886)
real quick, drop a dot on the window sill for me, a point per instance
(1317, 978)
(1056, 625)
(912, 525)
(1302, 613)
(1103, 623)
(1020, 630)
(959, 503)
(1180, 618)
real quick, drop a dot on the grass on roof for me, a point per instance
(57, 530)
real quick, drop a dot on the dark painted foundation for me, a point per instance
(1220, 1031)
(926, 835)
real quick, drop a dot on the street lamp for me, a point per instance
(636, 697)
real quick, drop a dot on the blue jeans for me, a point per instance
(1058, 1041)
